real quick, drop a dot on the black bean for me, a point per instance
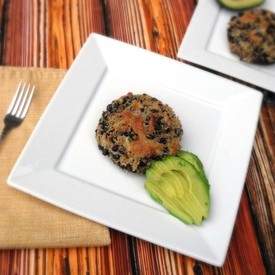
(261, 59)
(109, 107)
(104, 114)
(130, 134)
(129, 167)
(133, 136)
(151, 136)
(100, 147)
(104, 125)
(157, 157)
(163, 140)
(271, 29)
(104, 151)
(158, 124)
(147, 119)
(178, 132)
(231, 38)
(142, 163)
(113, 140)
(122, 150)
(113, 107)
(116, 157)
(115, 148)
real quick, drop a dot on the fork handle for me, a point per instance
(4, 132)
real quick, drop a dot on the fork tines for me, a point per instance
(21, 100)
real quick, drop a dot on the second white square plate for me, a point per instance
(61, 163)
(205, 43)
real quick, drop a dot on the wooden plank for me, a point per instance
(2, 26)
(31, 262)
(244, 255)
(110, 260)
(70, 24)
(260, 185)
(50, 33)
(153, 259)
(155, 25)
(39, 261)
(119, 254)
(15, 262)
(5, 262)
(1, 9)
(57, 261)
(49, 267)
(83, 260)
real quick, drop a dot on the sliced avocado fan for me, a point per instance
(240, 4)
(180, 186)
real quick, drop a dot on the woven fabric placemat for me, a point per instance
(26, 222)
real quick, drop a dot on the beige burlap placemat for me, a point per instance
(26, 221)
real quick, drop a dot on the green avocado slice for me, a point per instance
(188, 202)
(240, 4)
(178, 186)
(157, 194)
(195, 161)
(157, 168)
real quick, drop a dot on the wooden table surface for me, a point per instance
(49, 34)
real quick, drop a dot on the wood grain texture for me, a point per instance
(2, 27)
(260, 185)
(155, 25)
(47, 33)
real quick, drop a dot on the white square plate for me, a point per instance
(205, 43)
(62, 165)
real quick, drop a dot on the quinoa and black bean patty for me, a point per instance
(136, 129)
(251, 36)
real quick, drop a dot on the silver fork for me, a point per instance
(18, 107)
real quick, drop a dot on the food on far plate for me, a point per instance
(179, 184)
(251, 36)
(136, 129)
(240, 4)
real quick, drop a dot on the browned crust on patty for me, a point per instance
(251, 36)
(136, 129)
